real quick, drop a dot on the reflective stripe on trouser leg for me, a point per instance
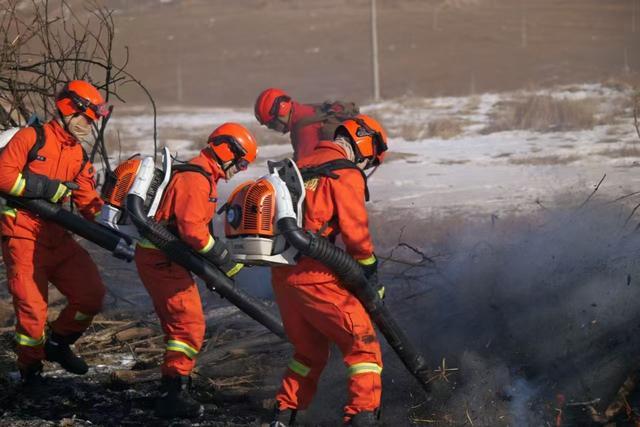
(182, 347)
(299, 368)
(27, 341)
(363, 368)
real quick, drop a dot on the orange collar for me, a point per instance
(206, 160)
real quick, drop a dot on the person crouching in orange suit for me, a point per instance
(315, 308)
(48, 162)
(187, 208)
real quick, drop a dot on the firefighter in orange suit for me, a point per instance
(48, 162)
(316, 310)
(187, 208)
(304, 122)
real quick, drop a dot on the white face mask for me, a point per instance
(230, 171)
(79, 126)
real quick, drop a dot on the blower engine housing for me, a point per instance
(251, 215)
(119, 182)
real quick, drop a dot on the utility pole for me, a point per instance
(374, 50)
(180, 89)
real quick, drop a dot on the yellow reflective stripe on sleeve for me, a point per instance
(18, 186)
(208, 246)
(97, 214)
(299, 368)
(368, 261)
(8, 211)
(60, 192)
(81, 316)
(26, 340)
(363, 368)
(175, 345)
(235, 270)
(144, 243)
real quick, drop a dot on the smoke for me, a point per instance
(528, 308)
(524, 308)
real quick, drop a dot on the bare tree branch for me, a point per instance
(50, 43)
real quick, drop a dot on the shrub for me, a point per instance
(543, 113)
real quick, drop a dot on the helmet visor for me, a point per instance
(236, 148)
(82, 104)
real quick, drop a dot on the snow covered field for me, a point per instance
(472, 170)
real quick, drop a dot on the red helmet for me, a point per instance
(233, 142)
(369, 139)
(79, 96)
(270, 104)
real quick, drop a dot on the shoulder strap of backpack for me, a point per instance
(85, 160)
(327, 170)
(188, 167)
(37, 146)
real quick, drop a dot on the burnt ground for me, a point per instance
(534, 320)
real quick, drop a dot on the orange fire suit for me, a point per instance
(304, 138)
(187, 206)
(315, 308)
(37, 252)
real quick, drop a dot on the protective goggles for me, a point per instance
(83, 104)
(242, 164)
(236, 148)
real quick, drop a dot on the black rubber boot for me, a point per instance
(57, 350)
(32, 375)
(283, 418)
(365, 419)
(175, 401)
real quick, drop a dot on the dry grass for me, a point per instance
(626, 151)
(445, 128)
(439, 128)
(544, 160)
(450, 162)
(543, 113)
(502, 155)
(616, 83)
(397, 155)
(472, 105)
(619, 111)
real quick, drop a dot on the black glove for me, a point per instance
(371, 273)
(220, 256)
(41, 187)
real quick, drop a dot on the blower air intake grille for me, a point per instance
(119, 182)
(258, 209)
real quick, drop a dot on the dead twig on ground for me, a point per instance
(442, 372)
(620, 401)
(595, 190)
(587, 403)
